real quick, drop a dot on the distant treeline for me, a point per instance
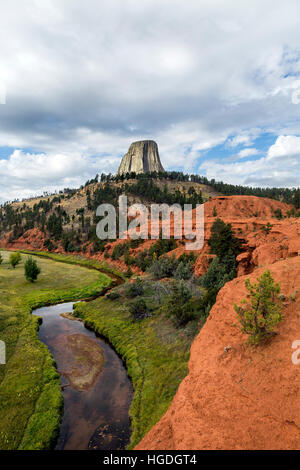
(288, 195)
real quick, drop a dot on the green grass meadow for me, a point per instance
(30, 396)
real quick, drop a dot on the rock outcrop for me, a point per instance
(142, 157)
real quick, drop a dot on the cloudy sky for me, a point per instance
(215, 83)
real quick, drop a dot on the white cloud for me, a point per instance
(86, 79)
(266, 171)
(247, 152)
(28, 174)
(285, 146)
(245, 138)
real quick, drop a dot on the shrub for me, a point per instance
(48, 244)
(31, 269)
(278, 213)
(1, 259)
(135, 289)
(183, 271)
(178, 306)
(162, 246)
(14, 259)
(259, 316)
(128, 260)
(113, 295)
(119, 250)
(129, 272)
(68, 241)
(188, 258)
(267, 228)
(138, 309)
(163, 267)
(99, 245)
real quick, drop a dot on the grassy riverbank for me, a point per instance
(30, 397)
(156, 353)
(79, 261)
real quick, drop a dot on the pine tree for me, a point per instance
(31, 269)
(222, 240)
(14, 259)
(259, 316)
(296, 198)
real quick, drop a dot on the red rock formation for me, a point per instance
(247, 215)
(238, 396)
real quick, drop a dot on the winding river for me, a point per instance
(97, 391)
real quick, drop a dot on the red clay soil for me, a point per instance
(238, 396)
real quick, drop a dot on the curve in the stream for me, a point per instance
(97, 391)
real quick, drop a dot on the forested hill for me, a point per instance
(287, 195)
(69, 217)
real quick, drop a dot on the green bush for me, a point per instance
(163, 267)
(31, 269)
(138, 309)
(267, 228)
(14, 259)
(112, 295)
(135, 289)
(259, 316)
(178, 304)
(129, 272)
(184, 271)
(278, 213)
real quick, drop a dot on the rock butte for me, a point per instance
(142, 157)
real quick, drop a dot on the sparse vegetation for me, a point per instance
(267, 228)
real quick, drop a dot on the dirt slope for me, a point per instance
(246, 398)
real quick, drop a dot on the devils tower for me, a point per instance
(142, 157)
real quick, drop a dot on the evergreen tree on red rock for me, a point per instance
(222, 240)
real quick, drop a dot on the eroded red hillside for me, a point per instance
(248, 216)
(237, 396)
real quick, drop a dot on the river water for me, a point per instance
(97, 391)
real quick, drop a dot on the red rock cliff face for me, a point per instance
(241, 397)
